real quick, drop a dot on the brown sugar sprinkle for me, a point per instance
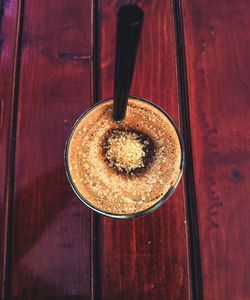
(128, 151)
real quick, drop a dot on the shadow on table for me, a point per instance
(50, 240)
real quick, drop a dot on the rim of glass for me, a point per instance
(148, 210)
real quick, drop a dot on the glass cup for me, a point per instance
(69, 172)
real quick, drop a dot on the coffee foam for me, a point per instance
(100, 184)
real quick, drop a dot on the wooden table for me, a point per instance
(57, 59)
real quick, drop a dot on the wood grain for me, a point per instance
(51, 238)
(217, 41)
(145, 258)
(8, 42)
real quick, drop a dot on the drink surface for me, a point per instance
(124, 167)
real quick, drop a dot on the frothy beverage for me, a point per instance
(124, 167)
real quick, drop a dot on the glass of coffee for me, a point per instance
(124, 156)
(128, 168)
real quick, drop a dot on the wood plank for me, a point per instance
(9, 16)
(217, 39)
(145, 258)
(51, 246)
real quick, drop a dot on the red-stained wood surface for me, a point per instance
(145, 258)
(8, 42)
(217, 39)
(51, 236)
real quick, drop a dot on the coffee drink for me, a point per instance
(124, 167)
